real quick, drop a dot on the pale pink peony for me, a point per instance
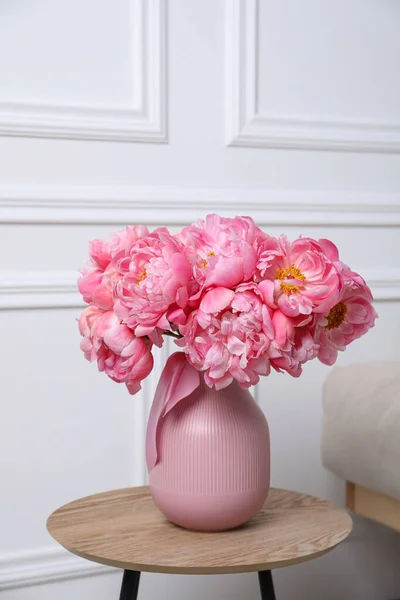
(224, 250)
(122, 356)
(155, 279)
(98, 275)
(299, 278)
(348, 320)
(229, 336)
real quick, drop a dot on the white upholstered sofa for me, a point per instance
(361, 437)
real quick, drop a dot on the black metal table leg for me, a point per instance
(130, 585)
(266, 585)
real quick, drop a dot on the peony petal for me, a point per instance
(89, 283)
(261, 365)
(325, 305)
(284, 329)
(217, 371)
(133, 387)
(103, 297)
(136, 347)
(249, 258)
(143, 365)
(177, 316)
(329, 249)
(358, 312)
(290, 305)
(216, 300)
(235, 346)
(156, 337)
(216, 355)
(118, 338)
(328, 355)
(241, 302)
(267, 288)
(142, 330)
(182, 297)
(220, 383)
(182, 268)
(100, 252)
(108, 320)
(227, 272)
(163, 322)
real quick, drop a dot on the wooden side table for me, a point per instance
(124, 529)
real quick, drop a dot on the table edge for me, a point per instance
(217, 570)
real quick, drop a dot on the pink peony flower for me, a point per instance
(125, 238)
(348, 320)
(243, 301)
(98, 276)
(298, 277)
(90, 286)
(285, 328)
(284, 361)
(293, 344)
(122, 356)
(229, 336)
(224, 250)
(155, 279)
(305, 347)
(269, 258)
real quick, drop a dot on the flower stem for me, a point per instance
(177, 336)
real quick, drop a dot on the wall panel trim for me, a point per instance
(144, 121)
(39, 289)
(247, 125)
(46, 565)
(57, 204)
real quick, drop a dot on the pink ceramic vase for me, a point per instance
(213, 470)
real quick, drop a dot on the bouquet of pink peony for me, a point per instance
(237, 300)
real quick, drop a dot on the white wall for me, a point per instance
(286, 111)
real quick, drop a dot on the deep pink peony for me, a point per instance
(229, 336)
(98, 275)
(224, 250)
(348, 320)
(155, 279)
(298, 277)
(122, 356)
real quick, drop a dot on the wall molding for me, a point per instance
(39, 289)
(45, 566)
(385, 284)
(246, 125)
(57, 204)
(58, 289)
(145, 121)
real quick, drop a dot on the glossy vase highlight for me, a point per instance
(213, 470)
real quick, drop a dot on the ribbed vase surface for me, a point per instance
(214, 460)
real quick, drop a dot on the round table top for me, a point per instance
(123, 528)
